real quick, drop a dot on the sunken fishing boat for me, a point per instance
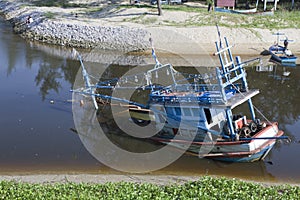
(196, 112)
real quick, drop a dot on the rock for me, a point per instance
(79, 36)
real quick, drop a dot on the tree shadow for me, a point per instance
(115, 10)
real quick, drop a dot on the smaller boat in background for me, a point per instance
(252, 11)
(248, 11)
(224, 7)
(281, 53)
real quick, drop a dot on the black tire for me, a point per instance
(245, 132)
(253, 127)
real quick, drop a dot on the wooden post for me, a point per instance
(159, 7)
(265, 5)
(275, 4)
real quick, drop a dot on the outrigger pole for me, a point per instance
(86, 78)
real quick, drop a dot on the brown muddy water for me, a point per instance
(36, 122)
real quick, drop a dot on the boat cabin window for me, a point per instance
(177, 110)
(196, 112)
(208, 115)
(187, 112)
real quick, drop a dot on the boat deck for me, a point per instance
(240, 98)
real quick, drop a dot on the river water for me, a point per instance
(37, 128)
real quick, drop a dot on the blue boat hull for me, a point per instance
(255, 157)
(279, 55)
(284, 59)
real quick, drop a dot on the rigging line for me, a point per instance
(97, 79)
(254, 107)
(219, 34)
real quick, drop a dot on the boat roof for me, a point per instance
(232, 102)
(240, 98)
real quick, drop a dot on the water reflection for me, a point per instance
(52, 73)
(278, 71)
(34, 132)
(279, 99)
(279, 86)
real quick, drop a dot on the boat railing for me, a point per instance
(201, 93)
(209, 97)
(230, 73)
(195, 87)
(231, 76)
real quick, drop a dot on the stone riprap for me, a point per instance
(55, 32)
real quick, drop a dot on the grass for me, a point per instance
(57, 3)
(49, 15)
(282, 18)
(205, 188)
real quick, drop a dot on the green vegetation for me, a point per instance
(49, 15)
(282, 18)
(205, 188)
(57, 3)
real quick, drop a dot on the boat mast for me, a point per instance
(227, 75)
(245, 85)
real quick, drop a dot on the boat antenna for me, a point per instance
(157, 63)
(278, 35)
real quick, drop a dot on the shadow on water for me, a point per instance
(37, 125)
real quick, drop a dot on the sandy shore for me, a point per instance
(114, 178)
(99, 178)
(130, 28)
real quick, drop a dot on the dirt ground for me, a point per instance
(99, 178)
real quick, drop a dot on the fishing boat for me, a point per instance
(281, 53)
(196, 112)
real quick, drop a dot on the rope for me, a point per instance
(255, 107)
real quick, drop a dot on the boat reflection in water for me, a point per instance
(279, 71)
